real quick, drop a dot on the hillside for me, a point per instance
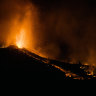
(15, 60)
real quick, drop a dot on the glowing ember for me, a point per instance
(20, 39)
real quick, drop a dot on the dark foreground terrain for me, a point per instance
(13, 59)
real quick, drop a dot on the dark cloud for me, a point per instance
(69, 28)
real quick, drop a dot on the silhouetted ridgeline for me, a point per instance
(13, 59)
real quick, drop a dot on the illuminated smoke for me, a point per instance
(66, 32)
(18, 20)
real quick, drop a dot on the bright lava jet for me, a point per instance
(20, 39)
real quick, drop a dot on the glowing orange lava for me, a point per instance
(20, 38)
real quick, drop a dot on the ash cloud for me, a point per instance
(14, 14)
(8, 11)
(68, 30)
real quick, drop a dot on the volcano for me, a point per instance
(15, 59)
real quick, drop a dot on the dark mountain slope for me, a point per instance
(13, 59)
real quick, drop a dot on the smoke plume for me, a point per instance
(57, 30)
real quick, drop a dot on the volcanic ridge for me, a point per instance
(14, 59)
